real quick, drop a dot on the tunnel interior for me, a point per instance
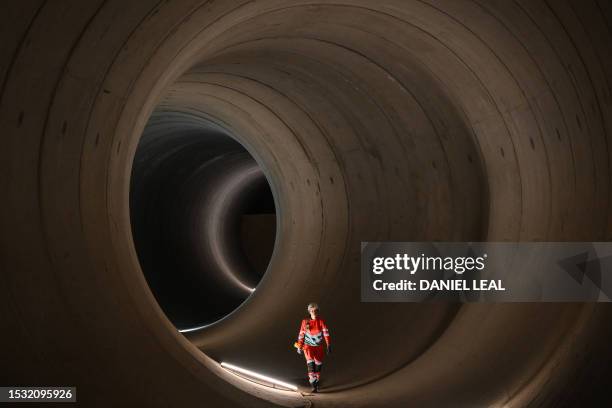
(203, 218)
(354, 146)
(373, 131)
(213, 166)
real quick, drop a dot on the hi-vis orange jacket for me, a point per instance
(312, 333)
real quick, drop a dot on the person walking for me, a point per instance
(313, 333)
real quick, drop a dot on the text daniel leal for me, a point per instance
(451, 284)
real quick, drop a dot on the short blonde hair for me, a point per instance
(313, 306)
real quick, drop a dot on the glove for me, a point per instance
(329, 349)
(299, 351)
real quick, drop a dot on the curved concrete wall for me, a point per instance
(394, 120)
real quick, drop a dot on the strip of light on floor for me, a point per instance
(258, 376)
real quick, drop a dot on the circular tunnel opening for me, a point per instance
(333, 133)
(351, 149)
(203, 218)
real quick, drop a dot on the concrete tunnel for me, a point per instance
(212, 166)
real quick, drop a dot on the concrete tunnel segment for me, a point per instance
(395, 120)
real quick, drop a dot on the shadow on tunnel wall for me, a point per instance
(214, 165)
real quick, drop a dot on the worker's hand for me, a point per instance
(329, 349)
(299, 351)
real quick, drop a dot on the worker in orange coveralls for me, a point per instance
(313, 332)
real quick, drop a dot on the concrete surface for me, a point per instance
(371, 120)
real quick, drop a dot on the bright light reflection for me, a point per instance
(193, 329)
(258, 376)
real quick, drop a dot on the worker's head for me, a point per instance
(313, 309)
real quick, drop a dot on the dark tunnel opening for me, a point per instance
(203, 218)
